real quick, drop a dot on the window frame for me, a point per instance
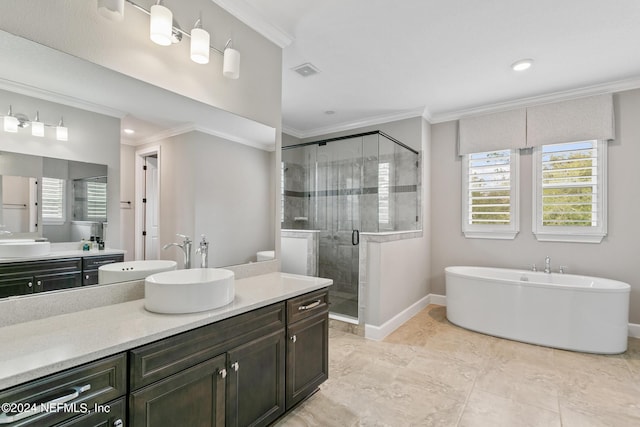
(575, 234)
(493, 231)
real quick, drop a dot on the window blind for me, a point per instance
(53, 199)
(96, 200)
(489, 187)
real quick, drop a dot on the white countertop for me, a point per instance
(41, 347)
(64, 254)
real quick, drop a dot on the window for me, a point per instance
(96, 201)
(490, 194)
(53, 201)
(569, 192)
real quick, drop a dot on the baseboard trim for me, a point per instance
(438, 299)
(378, 333)
(634, 330)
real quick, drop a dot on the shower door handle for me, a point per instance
(355, 237)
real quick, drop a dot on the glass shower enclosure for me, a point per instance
(342, 187)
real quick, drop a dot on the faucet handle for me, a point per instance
(186, 238)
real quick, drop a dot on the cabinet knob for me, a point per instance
(294, 338)
(118, 423)
(86, 277)
(235, 366)
(39, 283)
(223, 373)
(30, 284)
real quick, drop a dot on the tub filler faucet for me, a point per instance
(203, 250)
(547, 265)
(186, 248)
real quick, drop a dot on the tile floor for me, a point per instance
(432, 373)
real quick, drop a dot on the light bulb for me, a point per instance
(200, 46)
(161, 25)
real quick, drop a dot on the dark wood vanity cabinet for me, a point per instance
(28, 277)
(230, 373)
(91, 264)
(307, 345)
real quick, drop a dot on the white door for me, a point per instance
(152, 238)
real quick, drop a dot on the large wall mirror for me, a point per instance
(217, 170)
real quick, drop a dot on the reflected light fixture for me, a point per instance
(161, 25)
(129, 131)
(231, 65)
(521, 65)
(199, 44)
(111, 9)
(62, 133)
(37, 127)
(10, 122)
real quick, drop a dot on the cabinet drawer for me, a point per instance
(94, 262)
(115, 417)
(63, 265)
(307, 305)
(160, 359)
(83, 387)
(89, 277)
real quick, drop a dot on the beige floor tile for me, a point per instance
(487, 409)
(573, 417)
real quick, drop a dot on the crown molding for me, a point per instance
(46, 95)
(251, 17)
(599, 89)
(370, 121)
(191, 127)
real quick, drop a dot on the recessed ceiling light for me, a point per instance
(129, 131)
(521, 65)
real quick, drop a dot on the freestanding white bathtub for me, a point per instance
(566, 311)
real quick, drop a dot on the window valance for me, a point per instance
(567, 121)
(497, 131)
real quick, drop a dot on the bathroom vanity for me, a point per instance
(244, 364)
(62, 270)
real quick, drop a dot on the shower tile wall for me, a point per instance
(296, 197)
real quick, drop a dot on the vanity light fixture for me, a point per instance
(199, 43)
(521, 65)
(231, 65)
(111, 9)
(37, 127)
(62, 133)
(161, 24)
(164, 31)
(10, 122)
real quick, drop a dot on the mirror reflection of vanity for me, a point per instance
(218, 173)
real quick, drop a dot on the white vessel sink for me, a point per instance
(189, 291)
(132, 270)
(23, 248)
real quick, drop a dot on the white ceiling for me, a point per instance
(382, 59)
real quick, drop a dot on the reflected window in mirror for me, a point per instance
(90, 199)
(53, 201)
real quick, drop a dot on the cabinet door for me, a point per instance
(307, 357)
(193, 397)
(52, 282)
(255, 396)
(16, 286)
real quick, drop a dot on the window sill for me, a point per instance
(497, 235)
(569, 238)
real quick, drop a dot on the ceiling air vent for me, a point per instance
(306, 70)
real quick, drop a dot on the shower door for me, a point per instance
(339, 187)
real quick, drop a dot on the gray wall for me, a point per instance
(615, 258)
(219, 188)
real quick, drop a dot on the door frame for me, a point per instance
(140, 192)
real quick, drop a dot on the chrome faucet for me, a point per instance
(203, 250)
(547, 265)
(186, 248)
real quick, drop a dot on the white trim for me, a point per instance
(438, 299)
(254, 19)
(139, 192)
(612, 87)
(377, 333)
(634, 330)
(345, 319)
(371, 121)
